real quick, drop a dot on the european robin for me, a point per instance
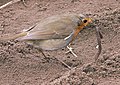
(53, 32)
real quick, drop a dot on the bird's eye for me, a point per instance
(84, 21)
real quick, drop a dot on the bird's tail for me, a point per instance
(13, 37)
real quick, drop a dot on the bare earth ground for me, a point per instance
(22, 65)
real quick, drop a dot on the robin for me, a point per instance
(54, 32)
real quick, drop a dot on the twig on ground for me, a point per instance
(99, 37)
(12, 2)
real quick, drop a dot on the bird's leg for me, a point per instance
(47, 58)
(63, 63)
(70, 50)
(56, 59)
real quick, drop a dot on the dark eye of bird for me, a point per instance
(85, 21)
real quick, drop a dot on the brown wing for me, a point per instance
(54, 29)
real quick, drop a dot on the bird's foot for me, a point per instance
(70, 50)
(48, 59)
(63, 63)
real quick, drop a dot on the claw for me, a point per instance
(71, 51)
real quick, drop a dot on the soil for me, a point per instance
(22, 65)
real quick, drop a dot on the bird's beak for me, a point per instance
(90, 20)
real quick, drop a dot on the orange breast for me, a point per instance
(77, 30)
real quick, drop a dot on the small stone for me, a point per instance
(89, 69)
(103, 73)
(109, 62)
(112, 58)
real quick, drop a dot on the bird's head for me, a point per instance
(83, 20)
(86, 21)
